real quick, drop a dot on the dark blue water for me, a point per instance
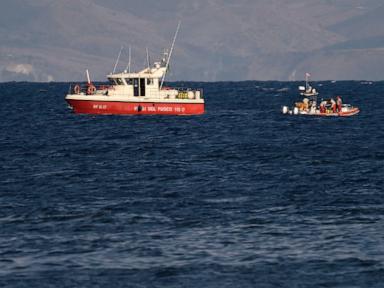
(242, 196)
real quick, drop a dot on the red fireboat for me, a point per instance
(141, 92)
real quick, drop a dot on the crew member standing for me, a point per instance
(333, 106)
(322, 106)
(339, 103)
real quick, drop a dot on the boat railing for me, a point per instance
(88, 89)
(183, 92)
(189, 93)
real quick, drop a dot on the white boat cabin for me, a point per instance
(145, 84)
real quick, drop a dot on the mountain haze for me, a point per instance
(56, 40)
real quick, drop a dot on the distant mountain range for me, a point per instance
(220, 40)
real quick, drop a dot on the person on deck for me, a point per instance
(322, 106)
(333, 106)
(339, 103)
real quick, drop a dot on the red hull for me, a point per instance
(135, 108)
(351, 112)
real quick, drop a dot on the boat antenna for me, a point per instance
(129, 60)
(307, 75)
(88, 78)
(170, 54)
(118, 59)
(148, 62)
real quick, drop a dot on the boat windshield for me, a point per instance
(119, 81)
(116, 81)
(129, 81)
(112, 81)
(150, 81)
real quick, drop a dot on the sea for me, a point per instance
(242, 196)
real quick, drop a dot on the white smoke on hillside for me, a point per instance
(25, 69)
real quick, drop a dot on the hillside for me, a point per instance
(45, 40)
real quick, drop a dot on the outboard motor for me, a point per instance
(285, 110)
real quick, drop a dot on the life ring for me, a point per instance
(91, 90)
(77, 89)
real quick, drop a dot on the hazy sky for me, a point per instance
(45, 40)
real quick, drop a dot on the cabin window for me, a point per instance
(149, 81)
(119, 81)
(112, 81)
(129, 81)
